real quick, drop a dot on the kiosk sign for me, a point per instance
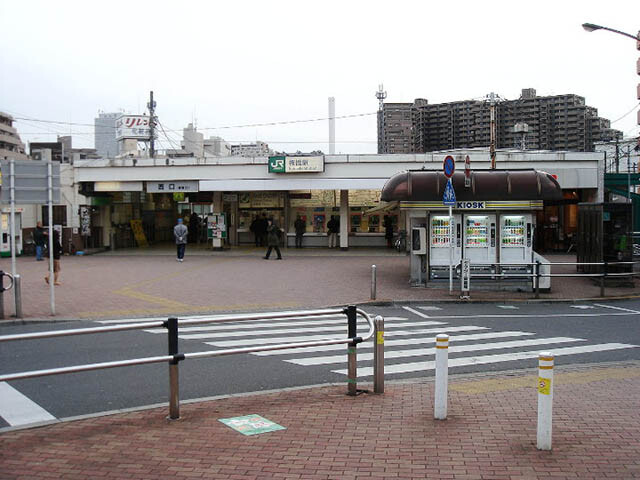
(449, 166)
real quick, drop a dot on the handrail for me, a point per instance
(174, 357)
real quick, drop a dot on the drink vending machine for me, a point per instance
(440, 242)
(480, 239)
(516, 233)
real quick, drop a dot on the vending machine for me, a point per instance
(516, 238)
(480, 239)
(439, 244)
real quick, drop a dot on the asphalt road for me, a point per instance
(484, 337)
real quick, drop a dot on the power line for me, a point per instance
(626, 114)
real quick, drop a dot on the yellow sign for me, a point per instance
(380, 339)
(138, 232)
(544, 386)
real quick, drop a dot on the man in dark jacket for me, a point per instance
(40, 239)
(333, 227)
(57, 252)
(273, 239)
(300, 226)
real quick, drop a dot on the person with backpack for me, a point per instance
(57, 252)
(180, 233)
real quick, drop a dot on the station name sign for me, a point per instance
(303, 164)
(175, 186)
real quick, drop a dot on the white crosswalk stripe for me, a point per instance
(419, 352)
(486, 359)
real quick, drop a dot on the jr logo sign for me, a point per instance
(276, 164)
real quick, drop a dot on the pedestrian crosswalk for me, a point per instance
(409, 342)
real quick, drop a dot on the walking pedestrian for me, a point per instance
(388, 230)
(254, 227)
(57, 252)
(262, 230)
(333, 227)
(180, 233)
(300, 226)
(194, 227)
(273, 239)
(40, 240)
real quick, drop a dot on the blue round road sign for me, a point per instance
(449, 166)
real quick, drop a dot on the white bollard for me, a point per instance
(442, 376)
(545, 399)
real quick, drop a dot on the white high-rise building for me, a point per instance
(105, 134)
(258, 149)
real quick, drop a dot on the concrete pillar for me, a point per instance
(344, 219)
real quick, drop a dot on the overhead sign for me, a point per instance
(177, 186)
(449, 197)
(117, 186)
(30, 182)
(133, 126)
(449, 166)
(303, 164)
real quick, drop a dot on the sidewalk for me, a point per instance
(149, 282)
(490, 434)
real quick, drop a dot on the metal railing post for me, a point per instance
(2, 295)
(602, 280)
(373, 282)
(174, 379)
(352, 372)
(538, 278)
(378, 355)
(17, 294)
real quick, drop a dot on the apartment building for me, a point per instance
(105, 134)
(10, 144)
(556, 122)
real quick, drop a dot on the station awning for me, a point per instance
(500, 185)
(254, 185)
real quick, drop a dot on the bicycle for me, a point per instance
(401, 241)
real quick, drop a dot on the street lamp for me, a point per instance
(591, 27)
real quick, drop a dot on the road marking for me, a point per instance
(430, 308)
(303, 338)
(508, 307)
(582, 307)
(533, 315)
(616, 308)
(418, 352)
(17, 409)
(399, 342)
(337, 329)
(416, 312)
(485, 359)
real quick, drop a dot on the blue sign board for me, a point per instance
(449, 166)
(449, 197)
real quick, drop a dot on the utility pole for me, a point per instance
(152, 124)
(493, 100)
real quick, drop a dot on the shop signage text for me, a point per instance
(132, 126)
(470, 205)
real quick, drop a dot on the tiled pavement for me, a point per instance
(130, 283)
(490, 434)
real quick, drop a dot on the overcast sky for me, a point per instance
(249, 62)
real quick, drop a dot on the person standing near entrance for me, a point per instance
(180, 233)
(333, 227)
(388, 230)
(300, 226)
(40, 239)
(273, 239)
(57, 252)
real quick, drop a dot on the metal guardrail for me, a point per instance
(376, 329)
(536, 274)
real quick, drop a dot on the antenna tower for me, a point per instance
(381, 95)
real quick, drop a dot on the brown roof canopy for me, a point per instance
(423, 185)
